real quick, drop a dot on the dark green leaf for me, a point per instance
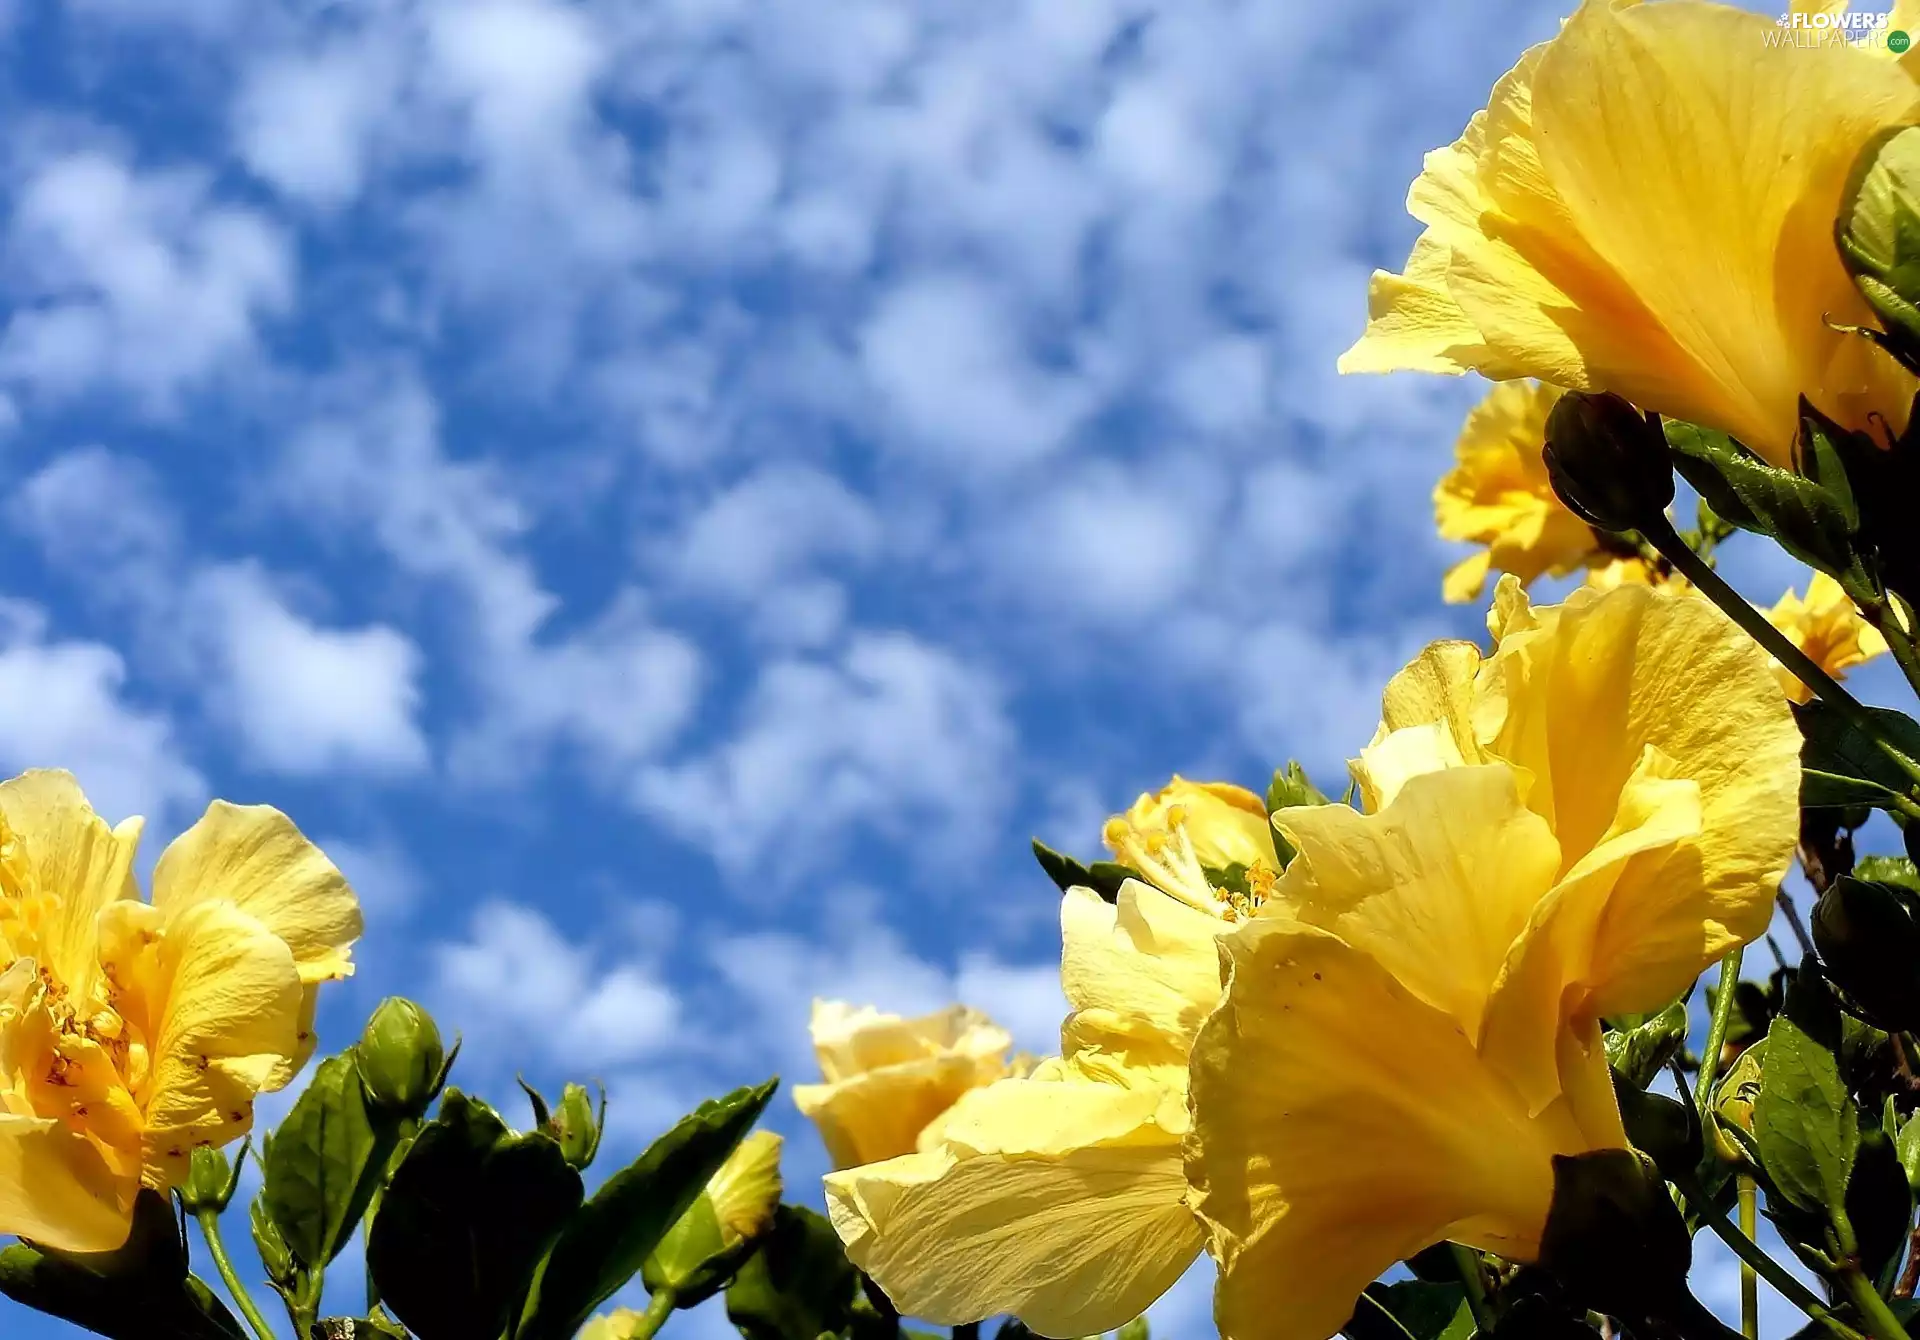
(1870, 943)
(140, 1292)
(466, 1220)
(1841, 766)
(799, 1285)
(1812, 522)
(1411, 1310)
(324, 1162)
(1803, 1120)
(1879, 1203)
(1103, 877)
(1639, 1051)
(609, 1239)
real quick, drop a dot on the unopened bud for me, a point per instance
(577, 1126)
(1608, 461)
(1868, 939)
(402, 1062)
(1733, 1101)
(1615, 1238)
(1664, 1130)
(272, 1247)
(211, 1179)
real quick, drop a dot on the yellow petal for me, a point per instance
(218, 1001)
(1058, 1202)
(1498, 494)
(73, 860)
(1828, 628)
(1646, 207)
(1141, 974)
(1436, 887)
(746, 1190)
(56, 1190)
(850, 1040)
(1575, 694)
(253, 857)
(1322, 1157)
(1226, 824)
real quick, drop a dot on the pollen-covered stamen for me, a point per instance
(1165, 858)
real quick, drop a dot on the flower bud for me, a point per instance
(272, 1247)
(1878, 233)
(1733, 1100)
(577, 1126)
(401, 1058)
(1608, 461)
(1615, 1238)
(1867, 936)
(211, 1179)
(708, 1244)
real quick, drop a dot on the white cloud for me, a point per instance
(515, 981)
(306, 699)
(896, 736)
(306, 121)
(132, 280)
(613, 691)
(66, 706)
(949, 358)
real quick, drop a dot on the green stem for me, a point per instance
(1749, 1281)
(1765, 1266)
(1474, 1280)
(1873, 1309)
(1717, 1031)
(217, 1248)
(1664, 538)
(659, 1308)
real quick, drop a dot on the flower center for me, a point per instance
(1165, 857)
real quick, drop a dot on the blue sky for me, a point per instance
(673, 496)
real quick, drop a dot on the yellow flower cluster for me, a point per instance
(131, 1032)
(1313, 1057)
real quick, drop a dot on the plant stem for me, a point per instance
(1765, 1266)
(1717, 1031)
(1474, 1280)
(1887, 620)
(1712, 585)
(1749, 1281)
(659, 1308)
(217, 1248)
(1873, 1309)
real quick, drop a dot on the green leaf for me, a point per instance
(466, 1220)
(609, 1239)
(1638, 1052)
(1841, 766)
(1895, 870)
(1814, 522)
(1411, 1310)
(1878, 232)
(1870, 943)
(1879, 1202)
(1103, 877)
(1804, 1123)
(799, 1285)
(1906, 1146)
(140, 1292)
(1137, 1330)
(324, 1162)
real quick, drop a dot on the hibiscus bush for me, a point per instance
(1476, 1042)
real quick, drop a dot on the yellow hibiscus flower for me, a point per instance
(1061, 1197)
(132, 1033)
(887, 1078)
(1646, 206)
(1498, 495)
(1572, 826)
(1828, 628)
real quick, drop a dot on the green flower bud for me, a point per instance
(1608, 461)
(576, 1125)
(1733, 1100)
(1878, 233)
(402, 1063)
(272, 1247)
(211, 1179)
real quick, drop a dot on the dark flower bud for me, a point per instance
(1608, 461)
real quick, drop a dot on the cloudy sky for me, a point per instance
(672, 496)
